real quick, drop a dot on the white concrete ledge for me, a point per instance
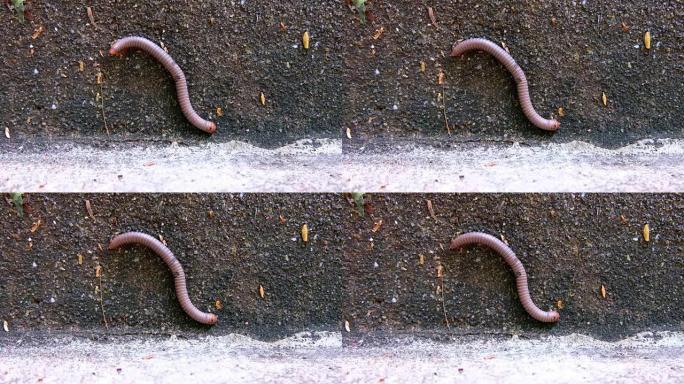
(322, 358)
(321, 166)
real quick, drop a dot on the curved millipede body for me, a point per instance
(175, 266)
(517, 72)
(520, 275)
(160, 55)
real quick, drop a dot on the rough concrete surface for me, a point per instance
(365, 77)
(303, 166)
(322, 358)
(364, 270)
(321, 166)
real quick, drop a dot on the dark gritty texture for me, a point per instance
(230, 53)
(226, 257)
(570, 245)
(570, 51)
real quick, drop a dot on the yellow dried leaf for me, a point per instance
(305, 233)
(80, 259)
(81, 65)
(262, 98)
(440, 271)
(305, 40)
(561, 112)
(36, 225)
(604, 99)
(219, 111)
(378, 32)
(98, 271)
(91, 16)
(38, 31)
(603, 291)
(377, 225)
(647, 233)
(348, 133)
(262, 292)
(421, 259)
(647, 40)
(560, 304)
(89, 209)
(347, 327)
(423, 66)
(218, 304)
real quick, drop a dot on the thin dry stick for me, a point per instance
(104, 118)
(446, 318)
(102, 305)
(446, 121)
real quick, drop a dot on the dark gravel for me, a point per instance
(569, 244)
(571, 52)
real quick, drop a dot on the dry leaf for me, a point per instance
(36, 225)
(377, 225)
(378, 32)
(440, 78)
(283, 27)
(431, 210)
(81, 65)
(348, 133)
(561, 112)
(423, 66)
(89, 209)
(625, 27)
(647, 233)
(560, 304)
(5, 325)
(218, 304)
(305, 233)
(647, 40)
(282, 219)
(262, 293)
(440, 270)
(219, 111)
(39, 31)
(305, 40)
(603, 291)
(91, 16)
(7, 135)
(262, 98)
(421, 259)
(604, 99)
(347, 327)
(98, 77)
(431, 14)
(80, 259)
(98, 271)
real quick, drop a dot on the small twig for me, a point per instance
(446, 120)
(446, 318)
(104, 118)
(102, 304)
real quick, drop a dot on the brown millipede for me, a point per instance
(175, 266)
(517, 72)
(520, 276)
(160, 55)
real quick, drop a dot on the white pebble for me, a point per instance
(35, 71)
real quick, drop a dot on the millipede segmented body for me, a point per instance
(523, 91)
(175, 266)
(160, 55)
(520, 276)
